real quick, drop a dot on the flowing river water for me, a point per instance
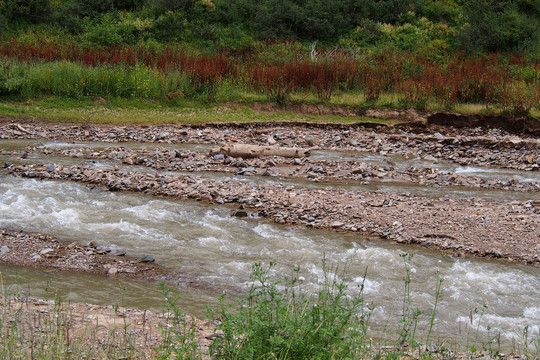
(213, 253)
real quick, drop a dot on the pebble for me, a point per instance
(4, 249)
(146, 259)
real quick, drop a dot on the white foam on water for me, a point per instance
(149, 212)
(500, 174)
(532, 313)
(210, 241)
(370, 286)
(66, 217)
(488, 279)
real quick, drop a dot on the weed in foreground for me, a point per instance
(292, 323)
(178, 332)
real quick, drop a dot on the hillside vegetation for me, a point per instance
(399, 53)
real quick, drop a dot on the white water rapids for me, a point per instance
(214, 252)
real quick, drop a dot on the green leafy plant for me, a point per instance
(279, 320)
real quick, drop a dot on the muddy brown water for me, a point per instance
(212, 252)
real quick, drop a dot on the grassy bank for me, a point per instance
(147, 112)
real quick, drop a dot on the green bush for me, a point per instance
(11, 77)
(32, 11)
(494, 25)
(279, 320)
(412, 34)
(115, 29)
(171, 26)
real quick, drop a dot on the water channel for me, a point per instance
(213, 252)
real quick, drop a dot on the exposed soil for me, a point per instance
(112, 330)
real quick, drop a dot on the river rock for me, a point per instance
(430, 158)
(117, 252)
(240, 213)
(240, 164)
(310, 140)
(4, 249)
(146, 259)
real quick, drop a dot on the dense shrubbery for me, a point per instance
(425, 25)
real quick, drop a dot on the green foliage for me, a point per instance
(437, 26)
(494, 25)
(115, 29)
(279, 320)
(73, 80)
(32, 11)
(11, 77)
(173, 5)
(412, 34)
(171, 26)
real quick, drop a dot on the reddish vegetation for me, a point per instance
(491, 79)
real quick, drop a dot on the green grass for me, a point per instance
(149, 112)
